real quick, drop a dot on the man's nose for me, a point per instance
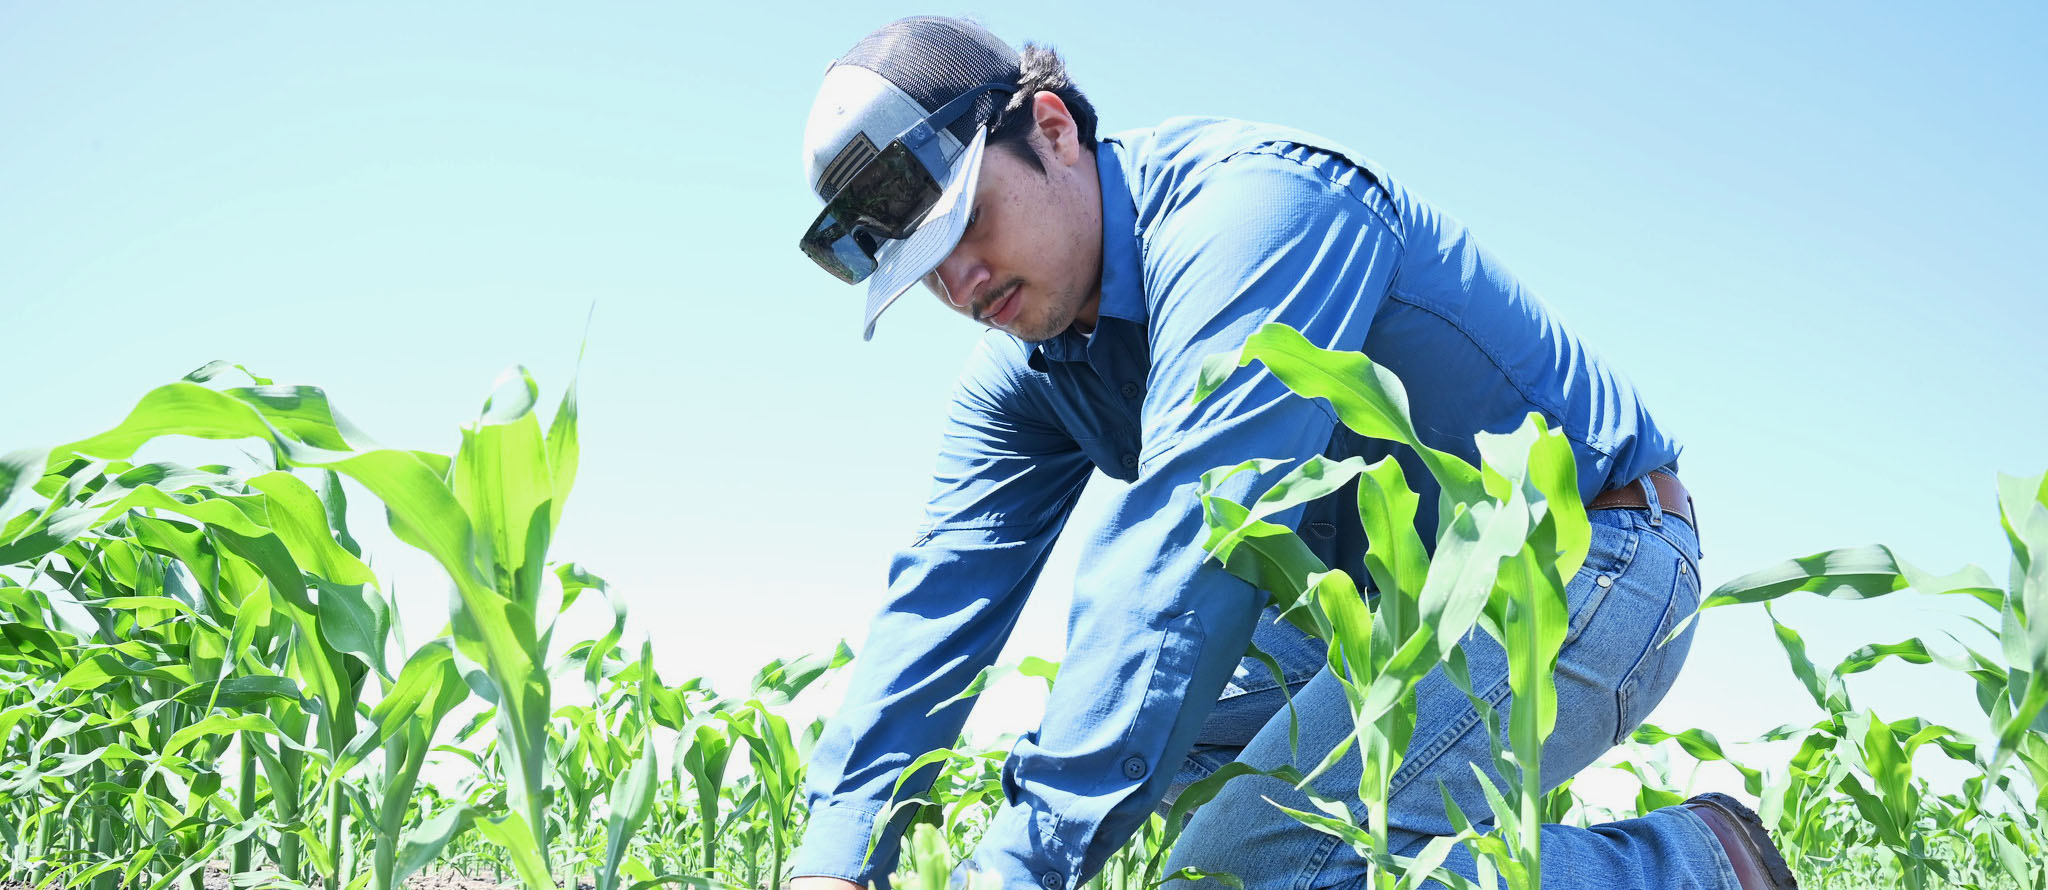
(959, 276)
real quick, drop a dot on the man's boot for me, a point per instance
(1758, 865)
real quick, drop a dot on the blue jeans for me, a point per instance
(1640, 578)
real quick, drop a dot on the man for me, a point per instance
(1109, 268)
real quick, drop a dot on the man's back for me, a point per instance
(1475, 349)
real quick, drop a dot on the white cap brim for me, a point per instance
(900, 264)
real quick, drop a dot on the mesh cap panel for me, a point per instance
(935, 59)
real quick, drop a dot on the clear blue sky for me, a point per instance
(1809, 233)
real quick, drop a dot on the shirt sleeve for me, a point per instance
(1270, 235)
(1006, 481)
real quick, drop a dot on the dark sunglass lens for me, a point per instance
(886, 199)
(854, 255)
(890, 194)
(839, 251)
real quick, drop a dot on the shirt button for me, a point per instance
(1051, 881)
(1130, 461)
(1604, 581)
(1134, 767)
(1132, 389)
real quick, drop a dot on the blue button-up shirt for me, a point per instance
(1210, 228)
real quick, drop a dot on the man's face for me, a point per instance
(1031, 258)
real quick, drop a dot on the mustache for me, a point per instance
(993, 296)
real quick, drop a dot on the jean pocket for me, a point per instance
(1609, 553)
(1300, 656)
(1235, 720)
(1646, 683)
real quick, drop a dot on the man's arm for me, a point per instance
(1157, 628)
(1006, 481)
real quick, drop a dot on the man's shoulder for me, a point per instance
(1160, 160)
(998, 376)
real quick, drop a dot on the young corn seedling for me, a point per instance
(1509, 533)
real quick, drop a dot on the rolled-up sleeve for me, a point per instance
(1269, 235)
(1006, 481)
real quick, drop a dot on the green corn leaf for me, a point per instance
(1395, 557)
(427, 688)
(632, 793)
(1649, 799)
(354, 620)
(240, 693)
(604, 646)
(295, 513)
(692, 881)
(1912, 650)
(188, 409)
(223, 724)
(1338, 825)
(19, 471)
(779, 681)
(510, 833)
(424, 842)
(1252, 651)
(1467, 565)
(205, 850)
(502, 480)
(1427, 866)
(65, 520)
(1314, 478)
(1223, 536)
(1271, 557)
(1703, 746)
(564, 449)
(1852, 573)
(1367, 397)
(2023, 511)
(1530, 617)
(97, 671)
(1031, 665)
(1827, 692)
(1952, 743)
(1193, 796)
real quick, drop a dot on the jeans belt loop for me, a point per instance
(1650, 496)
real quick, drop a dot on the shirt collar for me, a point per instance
(1123, 295)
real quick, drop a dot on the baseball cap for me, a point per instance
(893, 147)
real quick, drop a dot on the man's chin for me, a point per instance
(1039, 330)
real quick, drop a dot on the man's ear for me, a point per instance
(1055, 124)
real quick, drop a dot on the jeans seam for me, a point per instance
(1313, 865)
(1625, 558)
(1692, 564)
(1625, 691)
(1411, 766)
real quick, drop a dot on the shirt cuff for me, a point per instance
(835, 840)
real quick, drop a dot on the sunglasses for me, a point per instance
(888, 197)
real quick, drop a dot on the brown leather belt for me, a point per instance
(1671, 497)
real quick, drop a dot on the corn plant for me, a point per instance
(197, 665)
(1509, 532)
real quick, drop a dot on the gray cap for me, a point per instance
(889, 82)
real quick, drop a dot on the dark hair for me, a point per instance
(1040, 69)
